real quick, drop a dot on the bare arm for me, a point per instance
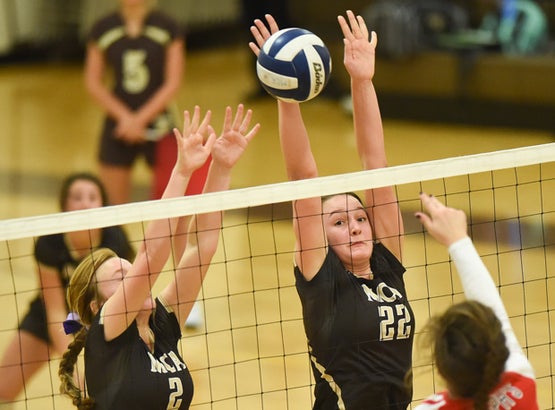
(311, 243)
(53, 296)
(131, 125)
(95, 70)
(449, 227)
(123, 306)
(204, 230)
(359, 60)
(175, 61)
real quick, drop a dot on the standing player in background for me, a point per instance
(349, 277)
(145, 50)
(132, 360)
(40, 336)
(474, 346)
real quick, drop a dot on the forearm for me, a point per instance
(113, 106)
(295, 144)
(368, 124)
(478, 285)
(156, 104)
(55, 307)
(172, 81)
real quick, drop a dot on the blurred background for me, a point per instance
(454, 57)
(453, 77)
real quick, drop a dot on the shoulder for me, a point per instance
(165, 22)
(383, 259)
(165, 322)
(49, 248)
(328, 271)
(104, 24)
(115, 238)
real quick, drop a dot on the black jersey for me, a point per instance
(52, 251)
(138, 62)
(360, 334)
(124, 374)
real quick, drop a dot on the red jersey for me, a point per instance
(517, 388)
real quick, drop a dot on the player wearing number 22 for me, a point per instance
(131, 339)
(349, 277)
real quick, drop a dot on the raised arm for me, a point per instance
(359, 60)
(311, 243)
(448, 226)
(204, 230)
(123, 306)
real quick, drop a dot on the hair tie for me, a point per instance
(72, 324)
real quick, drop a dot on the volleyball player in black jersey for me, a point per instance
(349, 277)
(39, 339)
(144, 49)
(131, 355)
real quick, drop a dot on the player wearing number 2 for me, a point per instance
(349, 277)
(130, 339)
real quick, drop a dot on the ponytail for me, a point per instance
(469, 350)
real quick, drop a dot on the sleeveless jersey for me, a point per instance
(124, 374)
(360, 334)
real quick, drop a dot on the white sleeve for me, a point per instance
(478, 285)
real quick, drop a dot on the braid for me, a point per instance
(66, 372)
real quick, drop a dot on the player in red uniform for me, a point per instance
(474, 346)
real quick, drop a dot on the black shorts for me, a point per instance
(117, 152)
(34, 321)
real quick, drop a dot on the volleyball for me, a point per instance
(294, 64)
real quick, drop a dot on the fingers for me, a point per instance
(261, 32)
(211, 140)
(353, 29)
(252, 132)
(237, 122)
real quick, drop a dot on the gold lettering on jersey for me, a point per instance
(167, 363)
(380, 295)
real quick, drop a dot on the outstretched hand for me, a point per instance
(235, 137)
(447, 225)
(261, 33)
(359, 55)
(195, 142)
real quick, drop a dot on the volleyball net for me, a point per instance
(250, 352)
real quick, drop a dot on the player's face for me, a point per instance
(348, 229)
(83, 194)
(110, 275)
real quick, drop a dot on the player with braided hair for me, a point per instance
(474, 346)
(131, 355)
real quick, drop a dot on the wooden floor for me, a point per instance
(50, 128)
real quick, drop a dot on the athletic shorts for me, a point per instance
(114, 151)
(34, 321)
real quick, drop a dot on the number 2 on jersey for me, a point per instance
(176, 388)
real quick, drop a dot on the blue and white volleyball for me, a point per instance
(294, 64)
